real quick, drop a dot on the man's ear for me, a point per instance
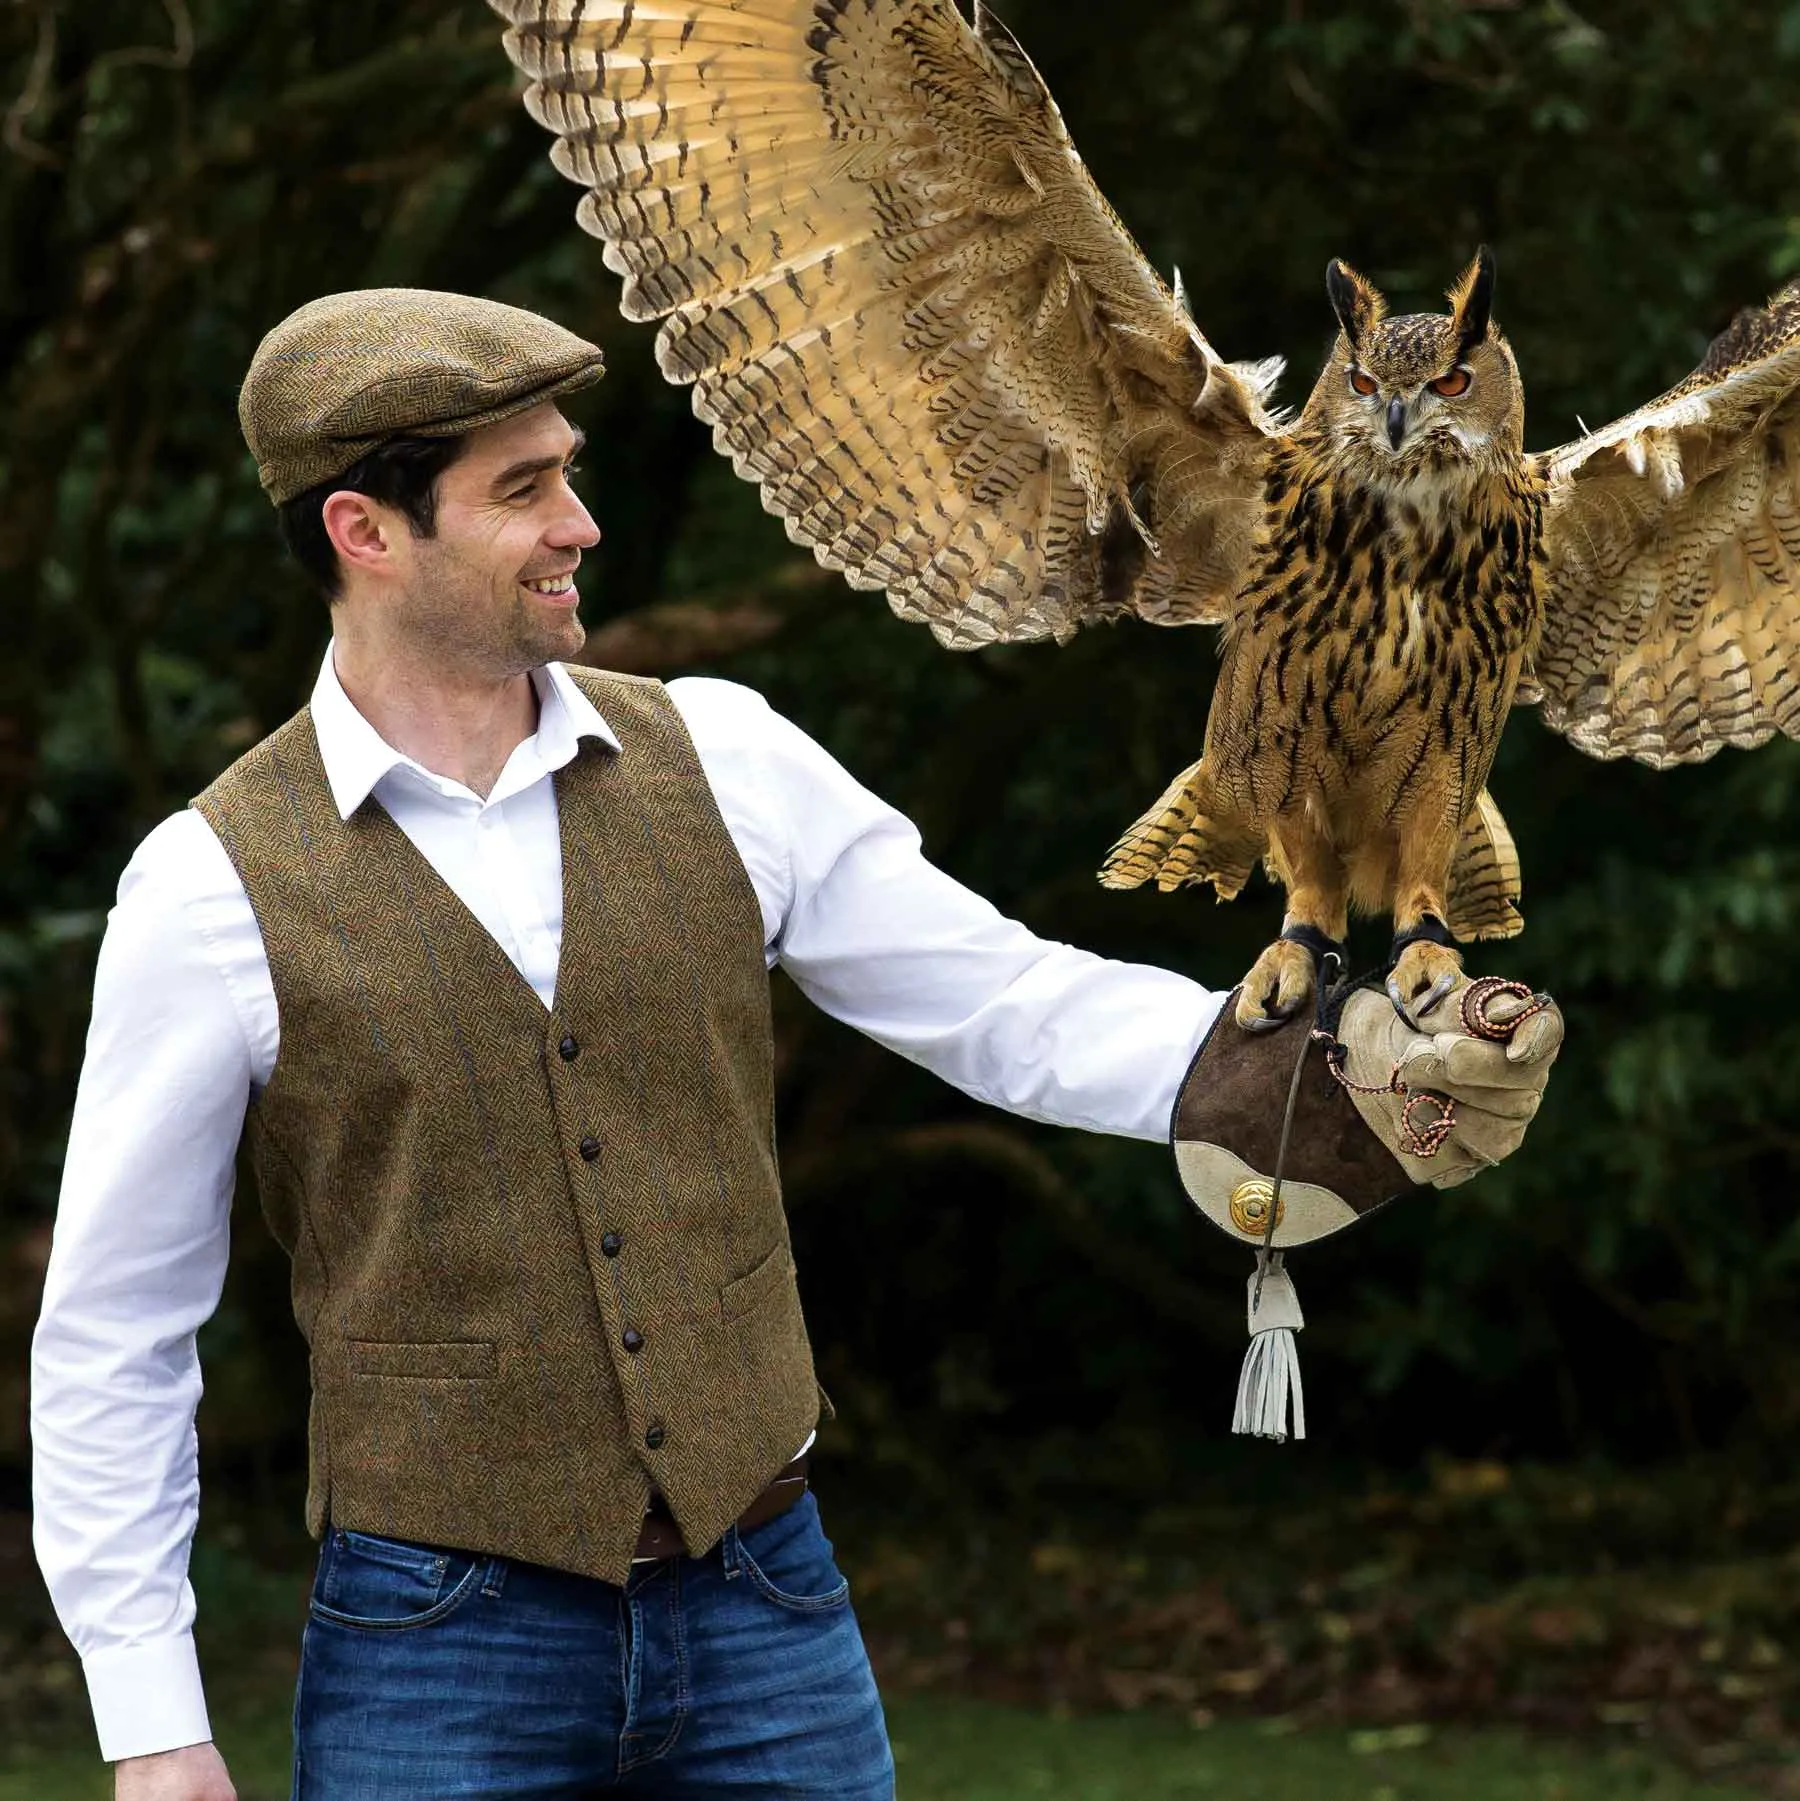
(359, 530)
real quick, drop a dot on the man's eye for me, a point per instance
(530, 489)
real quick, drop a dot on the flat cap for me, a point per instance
(349, 371)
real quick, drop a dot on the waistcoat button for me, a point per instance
(570, 1050)
(611, 1244)
(590, 1149)
(655, 1438)
(633, 1340)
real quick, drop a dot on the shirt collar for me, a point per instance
(357, 758)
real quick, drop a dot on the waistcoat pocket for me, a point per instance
(761, 1285)
(454, 1360)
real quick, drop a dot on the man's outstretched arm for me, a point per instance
(879, 937)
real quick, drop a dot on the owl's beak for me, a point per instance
(1396, 422)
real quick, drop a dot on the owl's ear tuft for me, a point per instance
(1472, 302)
(1358, 303)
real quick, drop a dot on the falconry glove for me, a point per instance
(1289, 1136)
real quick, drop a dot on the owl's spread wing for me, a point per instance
(906, 310)
(1672, 623)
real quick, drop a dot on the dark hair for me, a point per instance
(403, 473)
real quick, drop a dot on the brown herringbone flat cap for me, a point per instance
(349, 371)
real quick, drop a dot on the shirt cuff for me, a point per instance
(147, 1698)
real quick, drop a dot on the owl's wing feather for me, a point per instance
(1672, 623)
(905, 308)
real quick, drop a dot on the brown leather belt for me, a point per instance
(661, 1537)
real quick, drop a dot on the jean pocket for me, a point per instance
(390, 1584)
(789, 1560)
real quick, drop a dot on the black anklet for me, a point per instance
(1429, 930)
(1310, 938)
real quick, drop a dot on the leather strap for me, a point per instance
(661, 1537)
(1429, 930)
(1310, 938)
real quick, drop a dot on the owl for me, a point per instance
(912, 319)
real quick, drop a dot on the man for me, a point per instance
(479, 945)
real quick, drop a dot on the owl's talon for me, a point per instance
(1399, 1001)
(1271, 1021)
(1279, 984)
(1423, 974)
(1441, 987)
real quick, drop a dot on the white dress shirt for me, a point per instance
(185, 1031)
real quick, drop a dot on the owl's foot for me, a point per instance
(1424, 965)
(1282, 979)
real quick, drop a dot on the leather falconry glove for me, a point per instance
(1289, 1136)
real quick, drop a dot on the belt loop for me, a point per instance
(495, 1579)
(731, 1553)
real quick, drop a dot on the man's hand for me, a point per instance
(1496, 1084)
(194, 1773)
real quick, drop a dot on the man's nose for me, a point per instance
(576, 529)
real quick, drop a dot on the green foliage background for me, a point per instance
(175, 177)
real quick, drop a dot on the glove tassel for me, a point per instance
(1271, 1376)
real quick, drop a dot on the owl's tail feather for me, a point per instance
(1178, 842)
(1484, 879)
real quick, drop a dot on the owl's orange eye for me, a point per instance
(1364, 383)
(1454, 385)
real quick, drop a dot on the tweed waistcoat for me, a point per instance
(539, 1256)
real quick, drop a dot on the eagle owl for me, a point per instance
(911, 317)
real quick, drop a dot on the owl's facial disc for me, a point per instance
(1400, 418)
(1408, 384)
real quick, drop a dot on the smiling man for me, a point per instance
(478, 946)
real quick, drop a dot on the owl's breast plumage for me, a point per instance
(1377, 643)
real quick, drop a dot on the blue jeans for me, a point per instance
(433, 1675)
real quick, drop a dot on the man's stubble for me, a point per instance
(453, 616)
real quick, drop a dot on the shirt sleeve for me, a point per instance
(137, 1264)
(882, 939)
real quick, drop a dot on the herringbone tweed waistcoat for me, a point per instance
(482, 1198)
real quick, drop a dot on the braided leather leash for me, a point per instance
(1330, 961)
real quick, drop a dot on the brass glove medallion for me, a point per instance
(1250, 1203)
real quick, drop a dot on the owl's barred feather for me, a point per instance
(1673, 624)
(1177, 843)
(1485, 879)
(906, 310)
(912, 319)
